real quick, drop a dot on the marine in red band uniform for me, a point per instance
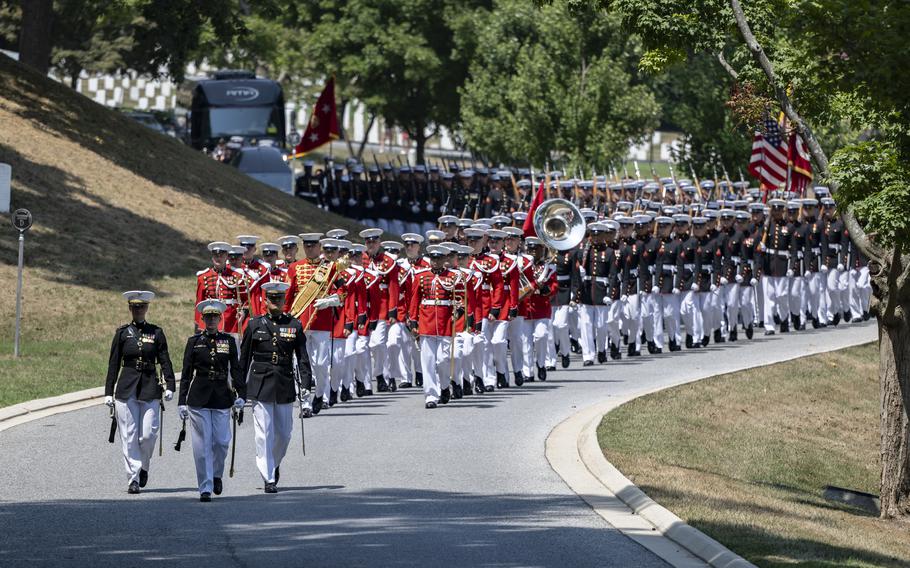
(235, 261)
(431, 312)
(490, 305)
(342, 310)
(516, 326)
(381, 265)
(496, 360)
(537, 309)
(316, 323)
(251, 264)
(223, 283)
(355, 345)
(414, 261)
(468, 292)
(289, 246)
(397, 370)
(276, 273)
(363, 372)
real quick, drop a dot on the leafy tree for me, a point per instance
(554, 82)
(400, 58)
(826, 61)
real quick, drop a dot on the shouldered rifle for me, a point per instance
(233, 440)
(301, 397)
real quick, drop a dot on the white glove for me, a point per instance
(739, 278)
(429, 207)
(168, 395)
(724, 281)
(840, 267)
(676, 290)
(823, 268)
(109, 400)
(183, 412)
(238, 404)
(753, 282)
(713, 288)
(332, 301)
(694, 287)
(655, 290)
(336, 202)
(623, 298)
(807, 274)
(607, 301)
(789, 273)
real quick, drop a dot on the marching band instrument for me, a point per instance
(559, 224)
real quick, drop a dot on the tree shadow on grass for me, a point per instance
(314, 527)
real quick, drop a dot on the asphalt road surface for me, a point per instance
(384, 482)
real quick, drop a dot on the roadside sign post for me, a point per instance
(22, 221)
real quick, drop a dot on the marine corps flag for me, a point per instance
(323, 125)
(800, 165)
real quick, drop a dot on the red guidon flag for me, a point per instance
(528, 227)
(800, 164)
(323, 125)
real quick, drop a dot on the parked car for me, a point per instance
(267, 164)
(146, 119)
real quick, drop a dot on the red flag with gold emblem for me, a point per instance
(528, 227)
(323, 125)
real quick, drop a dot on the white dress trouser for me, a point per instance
(777, 298)
(494, 357)
(464, 349)
(318, 348)
(378, 348)
(340, 368)
(210, 430)
(593, 323)
(796, 295)
(435, 353)
(747, 304)
(561, 328)
(536, 336)
(690, 312)
(363, 368)
(350, 358)
(138, 423)
(395, 368)
(272, 425)
(815, 296)
(649, 310)
(670, 305)
(518, 349)
(834, 293)
(860, 291)
(731, 296)
(551, 346)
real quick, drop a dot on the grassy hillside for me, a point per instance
(116, 207)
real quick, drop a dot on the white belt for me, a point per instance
(707, 268)
(563, 277)
(835, 247)
(799, 254)
(599, 279)
(779, 252)
(816, 250)
(633, 272)
(383, 286)
(689, 266)
(506, 287)
(228, 302)
(436, 302)
(668, 268)
(486, 287)
(735, 259)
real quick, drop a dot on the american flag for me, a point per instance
(769, 156)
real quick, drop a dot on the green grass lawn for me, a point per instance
(745, 458)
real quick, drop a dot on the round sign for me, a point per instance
(294, 138)
(22, 220)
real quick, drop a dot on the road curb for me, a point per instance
(43, 407)
(575, 455)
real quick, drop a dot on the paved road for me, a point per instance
(384, 483)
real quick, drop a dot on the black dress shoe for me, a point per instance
(601, 356)
(588, 364)
(565, 361)
(333, 397)
(306, 412)
(674, 346)
(551, 367)
(658, 350)
(418, 379)
(271, 488)
(848, 316)
(797, 322)
(383, 385)
(143, 477)
(446, 396)
(614, 352)
(359, 388)
(769, 332)
(393, 385)
(630, 350)
(718, 338)
(133, 488)
(733, 336)
(205, 497)
(575, 346)
(501, 381)
(217, 486)
(488, 388)
(652, 347)
(430, 405)
(466, 388)
(277, 475)
(749, 332)
(345, 395)
(457, 391)
(866, 316)
(519, 379)
(542, 373)
(368, 392)
(317, 404)
(404, 384)
(688, 341)
(836, 319)
(705, 340)
(785, 326)
(776, 320)
(478, 386)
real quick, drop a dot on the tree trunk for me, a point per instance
(894, 378)
(366, 136)
(341, 128)
(420, 138)
(35, 34)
